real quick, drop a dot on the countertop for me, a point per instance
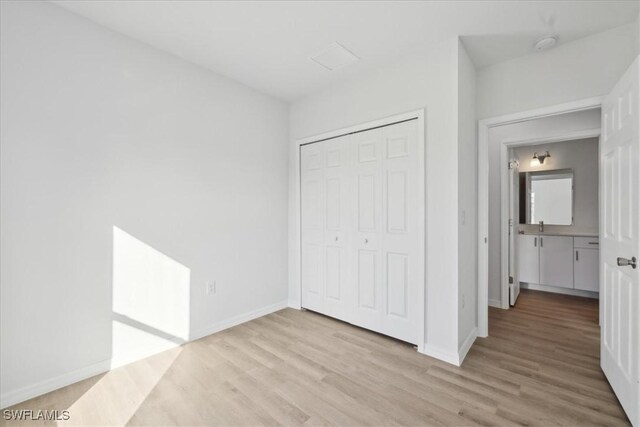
(559, 233)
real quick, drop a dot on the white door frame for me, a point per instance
(504, 195)
(296, 300)
(483, 190)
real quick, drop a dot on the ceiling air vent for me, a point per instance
(334, 56)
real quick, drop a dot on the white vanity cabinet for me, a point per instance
(585, 264)
(558, 261)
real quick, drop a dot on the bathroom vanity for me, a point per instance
(552, 252)
(558, 261)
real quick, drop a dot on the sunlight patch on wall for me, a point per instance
(151, 294)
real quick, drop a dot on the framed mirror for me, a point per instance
(546, 196)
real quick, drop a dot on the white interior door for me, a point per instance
(514, 282)
(620, 241)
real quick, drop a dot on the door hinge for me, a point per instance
(511, 280)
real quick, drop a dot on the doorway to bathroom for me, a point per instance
(544, 206)
(552, 198)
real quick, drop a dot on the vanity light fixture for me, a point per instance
(540, 157)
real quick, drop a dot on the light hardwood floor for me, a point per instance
(540, 366)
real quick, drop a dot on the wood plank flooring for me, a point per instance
(540, 366)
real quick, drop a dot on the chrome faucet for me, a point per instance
(541, 226)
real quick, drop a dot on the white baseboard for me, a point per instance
(226, 324)
(445, 356)
(295, 304)
(42, 387)
(46, 386)
(564, 291)
(466, 344)
(452, 358)
(495, 303)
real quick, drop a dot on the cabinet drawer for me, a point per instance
(586, 242)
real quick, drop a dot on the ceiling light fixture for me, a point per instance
(541, 157)
(546, 42)
(334, 56)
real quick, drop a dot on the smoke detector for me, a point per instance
(546, 42)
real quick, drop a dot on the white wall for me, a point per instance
(467, 198)
(581, 156)
(540, 128)
(101, 131)
(423, 81)
(575, 70)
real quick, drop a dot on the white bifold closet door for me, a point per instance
(359, 229)
(325, 227)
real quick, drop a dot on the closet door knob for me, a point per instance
(366, 241)
(336, 239)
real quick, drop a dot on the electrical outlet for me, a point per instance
(210, 287)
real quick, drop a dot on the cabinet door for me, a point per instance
(528, 259)
(556, 261)
(585, 269)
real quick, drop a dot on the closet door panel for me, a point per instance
(312, 200)
(396, 202)
(366, 270)
(367, 210)
(312, 274)
(337, 177)
(367, 279)
(334, 282)
(397, 282)
(400, 237)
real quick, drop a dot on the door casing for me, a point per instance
(483, 196)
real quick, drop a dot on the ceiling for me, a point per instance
(267, 45)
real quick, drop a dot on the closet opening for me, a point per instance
(361, 226)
